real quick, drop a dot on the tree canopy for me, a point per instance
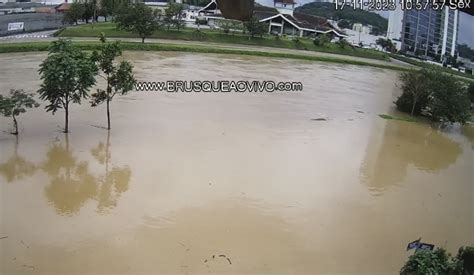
(16, 104)
(138, 18)
(119, 77)
(67, 74)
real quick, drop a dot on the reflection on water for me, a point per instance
(468, 132)
(71, 182)
(16, 167)
(114, 181)
(389, 155)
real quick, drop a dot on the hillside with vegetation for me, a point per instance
(328, 10)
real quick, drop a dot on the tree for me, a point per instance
(16, 104)
(138, 18)
(75, 13)
(429, 262)
(106, 8)
(89, 10)
(173, 16)
(440, 262)
(449, 100)
(119, 78)
(254, 27)
(415, 86)
(386, 44)
(439, 96)
(67, 74)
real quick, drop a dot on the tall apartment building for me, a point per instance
(430, 34)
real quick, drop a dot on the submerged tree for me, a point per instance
(437, 95)
(16, 104)
(415, 86)
(119, 77)
(67, 74)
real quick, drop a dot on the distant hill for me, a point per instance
(329, 11)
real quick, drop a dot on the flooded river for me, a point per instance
(229, 183)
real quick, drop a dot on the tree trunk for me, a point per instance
(66, 123)
(15, 123)
(108, 111)
(143, 39)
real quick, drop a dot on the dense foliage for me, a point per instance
(119, 77)
(440, 262)
(173, 16)
(67, 74)
(16, 104)
(138, 18)
(386, 44)
(328, 10)
(75, 13)
(437, 95)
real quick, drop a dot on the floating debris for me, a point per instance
(3, 237)
(319, 119)
(220, 256)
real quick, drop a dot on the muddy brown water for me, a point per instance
(230, 183)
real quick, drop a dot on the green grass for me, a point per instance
(110, 30)
(430, 66)
(407, 119)
(135, 46)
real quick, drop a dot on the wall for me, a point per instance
(32, 22)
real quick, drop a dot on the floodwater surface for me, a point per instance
(229, 183)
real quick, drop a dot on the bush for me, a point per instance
(449, 100)
(465, 258)
(415, 96)
(439, 96)
(440, 262)
(429, 262)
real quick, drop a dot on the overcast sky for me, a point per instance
(466, 23)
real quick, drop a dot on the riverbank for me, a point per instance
(213, 36)
(136, 46)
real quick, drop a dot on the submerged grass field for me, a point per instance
(110, 30)
(135, 46)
